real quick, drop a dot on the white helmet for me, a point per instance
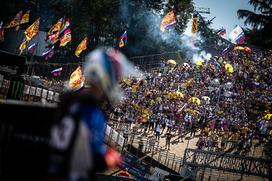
(105, 67)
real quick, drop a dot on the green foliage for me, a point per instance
(104, 21)
(260, 20)
(208, 35)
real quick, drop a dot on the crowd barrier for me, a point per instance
(159, 155)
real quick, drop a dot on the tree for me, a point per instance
(260, 20)
(143, 22)
(104, 21)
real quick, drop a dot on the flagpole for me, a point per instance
(17, 35)
(35, 51)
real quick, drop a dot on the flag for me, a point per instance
(237, 35)
(1, 32)
(16, 21)
(66, 38)
(225, 50)
(65, 25)
(33, 30)
(221, 32)
(22, 46)
(195, 23)
(32, 48)
(123, 40)
(57, 72)
(168, 21)
(49, 53)
(56, 27)
(52, 38)
(25, 18)
(76, 79)
(82, 46)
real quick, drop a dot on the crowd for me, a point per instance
(44, 82)
(207, 100)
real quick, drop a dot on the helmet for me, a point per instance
(104, 67)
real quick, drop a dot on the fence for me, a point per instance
(134, 143)
(151, 61)
(200, 159)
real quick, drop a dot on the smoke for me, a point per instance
(202, 55)
(151, 20)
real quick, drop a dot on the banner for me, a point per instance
(195, 24)
(66, 38)
(76, 79)
(25, 18)
(237, 35)
(168, 21)
(33, 30)
(16, 21)
(82, 46)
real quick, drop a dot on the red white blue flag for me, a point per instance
(49, 53)
(237, 35)
(221, 32)
(56, 72)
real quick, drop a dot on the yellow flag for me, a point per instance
(25, 18)
(195, 24)
(82, 46)
(22, 46)
(121, 43)
(33, 30)
(168, 21)
(16, 21)
(76, 79)
(56, 27)
(66, 38)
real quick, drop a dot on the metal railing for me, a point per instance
(158, 153)
(227, 162)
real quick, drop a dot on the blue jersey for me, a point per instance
(95, 120)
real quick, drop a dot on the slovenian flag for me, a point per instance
(221, 32)
(237, 35)
(56, 72)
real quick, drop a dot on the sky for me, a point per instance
(225, 12)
